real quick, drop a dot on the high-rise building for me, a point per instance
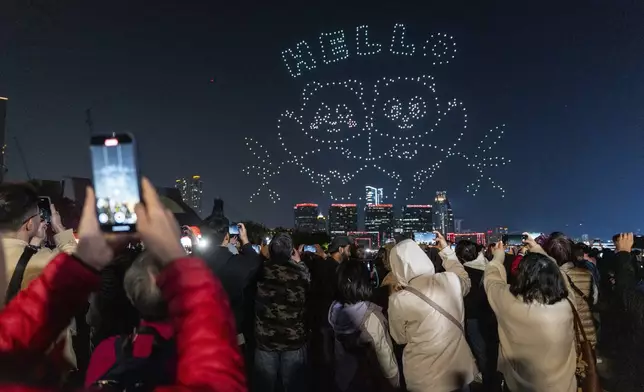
(3, 116)
(379, 218)
(191, 189)
(443, 217)
(416, 218)
(373, 195)
(343, 218)
(458, 225)
(321, 223)
(306, 217)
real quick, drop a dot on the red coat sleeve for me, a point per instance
(32, 321)
(514, 268)
(208, 354)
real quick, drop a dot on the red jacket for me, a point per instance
(208, 355)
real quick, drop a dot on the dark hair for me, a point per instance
(466, 250)
(539, 280)
(17, 202)
(215, 229)
(559, 247)
(281, 247)
(489, 251)
(434, 256)
(354, 283)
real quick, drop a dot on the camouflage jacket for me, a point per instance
(280, 306)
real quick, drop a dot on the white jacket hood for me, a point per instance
(408, 261)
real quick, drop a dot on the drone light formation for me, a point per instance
(333, 47)
(380, 117)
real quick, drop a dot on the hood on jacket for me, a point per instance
(479, 263)
(408, 261)
(347, 318)
(386, 261)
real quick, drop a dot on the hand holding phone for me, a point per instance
(116, 181)
(44, 208)
(233, 229)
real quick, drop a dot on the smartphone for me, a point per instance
(116, 180)
(233, 229)
(257, 248)
(534, 236)
(425, 238)
(44, 208)
(513, 239)
(310, 248)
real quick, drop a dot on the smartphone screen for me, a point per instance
(257, 248)
(425, 238)
(512, 239)
(44, 208)
(233, 229)
(309, 248)
(116, 181)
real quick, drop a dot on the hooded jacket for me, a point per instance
(436, 356)
(362, 341)
(537, 342)
(476, 305)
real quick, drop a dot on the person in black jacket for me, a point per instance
(238, 274)
(480, 321)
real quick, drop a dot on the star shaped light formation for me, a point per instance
(371, 118)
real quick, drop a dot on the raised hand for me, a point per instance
(157, 226)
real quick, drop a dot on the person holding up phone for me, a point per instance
(237, 272)
(208, 358)
(23, 231)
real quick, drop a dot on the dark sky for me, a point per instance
(567, 80)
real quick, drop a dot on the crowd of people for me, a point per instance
(137, 312)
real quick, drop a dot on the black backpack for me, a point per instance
(130, 373)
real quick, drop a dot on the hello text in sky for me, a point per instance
(335, 46)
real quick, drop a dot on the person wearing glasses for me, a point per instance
(23, 232)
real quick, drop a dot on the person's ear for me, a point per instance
(29, 225)
(227, 238)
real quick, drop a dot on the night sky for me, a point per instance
(191, 80)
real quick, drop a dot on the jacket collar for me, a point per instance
(11, 242)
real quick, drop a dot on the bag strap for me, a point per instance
(436, 306)
(577, 289)
(579, 329)
(19, 273)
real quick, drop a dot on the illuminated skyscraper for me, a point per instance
(416, 218)
(373, 195)
(379, 218)
(343, 218)
(191, 189)
(321, 223)
(306, 217)
(443, 219)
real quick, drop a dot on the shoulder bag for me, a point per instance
(436, 307)
(587, 376)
